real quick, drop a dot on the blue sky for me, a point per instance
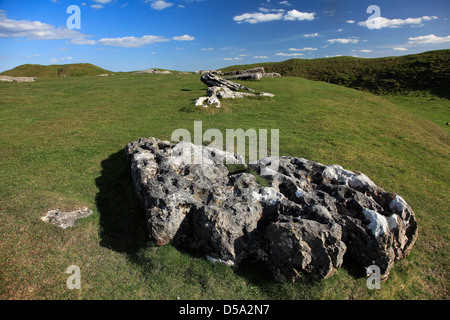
(188, 35)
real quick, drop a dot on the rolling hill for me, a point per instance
(54, 71)
(428, 71)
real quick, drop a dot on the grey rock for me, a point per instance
(17, 79)
(63, 219)
(271, 75)
(212, 80)
(307, 220)
(218, 72)
(206, 102)
(245, 76)
(152, 71)
(248, 71)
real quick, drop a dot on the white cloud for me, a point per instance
(207, 49)
(267, 15)
(82, 41)
(285, 3)
(303, 49)
(340, 29)
(343, 41)
(184, 38)
(429, 39)
(365, 50)
(396, 23)
(232, 59)
(299, 16)
(99, 4)
(159, 4)
(32, 30)
(261, 57)
(400, 49)
(258, 17)
(350, 21)
(265, 10)
(131, 42)
(311, 35)
(282, 54)
(56, 60)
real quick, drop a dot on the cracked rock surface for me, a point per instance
(308, 220)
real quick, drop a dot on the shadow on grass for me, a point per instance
(123, 226)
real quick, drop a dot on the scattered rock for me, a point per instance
(65, 219)
(249, 71)
(212, 80)
(152, 71)
(271, 75)
(17, 79)
(105, 75)
(224, 89)
(306, 221)
(246, 76)
(250, 74)
(218, 72)
(207, 101)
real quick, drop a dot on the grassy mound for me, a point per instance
(54, 71)
(61, 146)
(428, 71)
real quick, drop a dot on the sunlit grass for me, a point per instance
(61, 146)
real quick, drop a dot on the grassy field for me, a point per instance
(61, 146)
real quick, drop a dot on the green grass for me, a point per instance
(427, 71)
(61, 146)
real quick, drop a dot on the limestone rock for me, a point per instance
(63, 219)
(271, 75)
(307, 220)
(245, 76)
(17, 79)
(212, 80)
(248, 71)
(152, 71)
(205, 102)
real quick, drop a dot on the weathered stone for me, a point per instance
(65, 219)
(153, 71)
(212, 80)
(218, 72)
(205, 102)
(17, 79)
(248, 71)
(245, 76)
(303, 222)
(271, 75)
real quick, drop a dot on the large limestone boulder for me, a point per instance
(308, 220)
